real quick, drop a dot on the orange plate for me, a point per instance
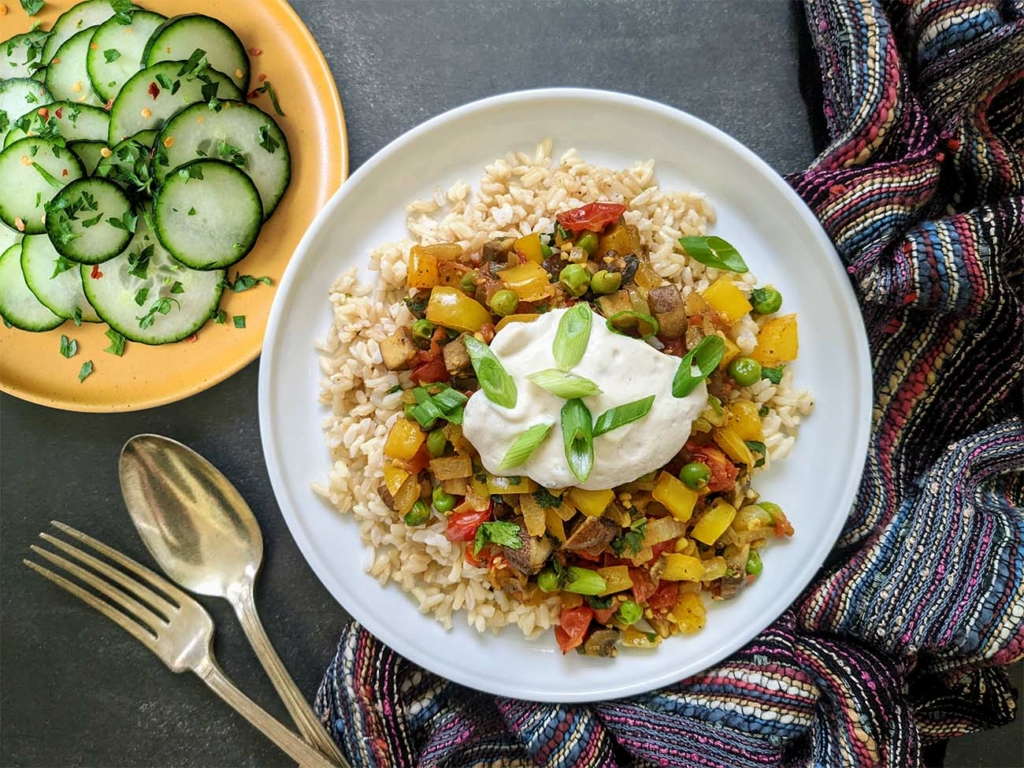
(31, 366)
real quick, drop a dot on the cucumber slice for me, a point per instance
(179, 38)
(240, 133)
(8, 237)
(71, 122)
(19, 97)
(208, 214)
(33, 169)
(136, 109)
(89, 152)
(90, 221)
(60, 291)
(18, 305)
(116, 50)
(75, 19)
(128, 164)
(21, 55)
(118, 298)
(67, 76)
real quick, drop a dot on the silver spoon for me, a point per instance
(199, 529)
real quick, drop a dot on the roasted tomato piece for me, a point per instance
(462, 525)
(592, 216)
(723, 471)
(573, 624)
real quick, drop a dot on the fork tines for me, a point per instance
(129, 602)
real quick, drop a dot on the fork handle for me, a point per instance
(291, 744)
(312, 730)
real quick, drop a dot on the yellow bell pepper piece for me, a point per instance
(677, 498)
(733, 445)
(554, 525)
(682, 568)
(442, 251)
(716, 519)
(743, 418)
(777, 342)
(394, 477)
(591, 503)
(422, 271)
(453, 309)
(479, 487)
(730, 354)
(404, 440)
(524, 318)
(634, 638)
(529, 281)
(529, 248)
(727, 299)
(615, 239)
(533, 515)
(510, 485)
(689, 614)
(616, 579)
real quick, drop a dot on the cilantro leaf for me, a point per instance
(268, 89)
(60, 264)
(245, 282)
(545, 499)
(68, 348)
(239, 321)
(32, 7)
(111, 55)
(220, 316)
(500, 532)
(85, 372)
(267, 141)
(774, 375)
(117, 342)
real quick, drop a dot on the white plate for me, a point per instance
(781, 241)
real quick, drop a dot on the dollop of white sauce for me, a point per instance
(626, 369)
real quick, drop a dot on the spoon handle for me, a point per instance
(292, 745)
(302, 714)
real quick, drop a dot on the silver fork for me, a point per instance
(176, 627)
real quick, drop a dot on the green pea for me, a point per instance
(504, 303)
(629, 613)
(545, 250)
(763, 411)
(468, 281)
(588, 242)
(436, 443)
(443, 502)
(419, 514)
(422, 330)
(547, 580)
(575, 278)
(745, 371)
(767, 300)
(604, 281)
(695, 475)
(754, 564)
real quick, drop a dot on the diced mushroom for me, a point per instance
(498, 250)
(451, 467)
(667, 307)
(591, 536)
(603, 642)
(456, 358)
(531, 556)
(398, 350)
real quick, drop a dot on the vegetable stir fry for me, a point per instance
(631, 564)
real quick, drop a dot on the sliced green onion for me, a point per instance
(494, 380)
(421, 394)
(578, 434)
(714, 252)
(447, 399)
(524, 446)
(584, 581)
(565, 385)
(621, 415)
(572, 336)
(427, 413)
(697, 365)
(652, 323)
(454, 416)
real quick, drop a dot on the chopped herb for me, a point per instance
(230, 154)
(141, 295)
(220, 316)
(191, 211)
(632, 540)
(239, 321)
(7, 323)
(68, 348)
(396, 388)
(417, 306)
(32, 7)
(161, 306)
(267, 141)
(60, 265)
(86, 223)
(112, 55)
(268, 89)
(77, 317)
(138, 263)
(500, 532)
(191, 172)
(245, 282)
(117, 343)
(546, 499)
(774, 375)
(599, 603)
(124, 10)
(5, 123)
(763, 410)
(85, 372)
(48, 177)
(177, 288)
(126, 223)
(195, 65)
(758, 448)
(165, 82)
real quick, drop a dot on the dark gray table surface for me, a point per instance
(75, 691)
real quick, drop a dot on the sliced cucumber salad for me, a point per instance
(134, 171)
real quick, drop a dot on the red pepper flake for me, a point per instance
(64, 172)
(44, 113)
(193, 338)
(59, 113)
(255, 51)
(262, 77)
(109, 104)
(154, 89)
(95, 274)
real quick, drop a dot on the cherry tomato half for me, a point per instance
(592, 216)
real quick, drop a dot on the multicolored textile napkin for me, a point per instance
(899, 641)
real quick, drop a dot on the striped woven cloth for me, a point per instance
(900, 640)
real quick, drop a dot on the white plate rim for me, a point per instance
(851, 316)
